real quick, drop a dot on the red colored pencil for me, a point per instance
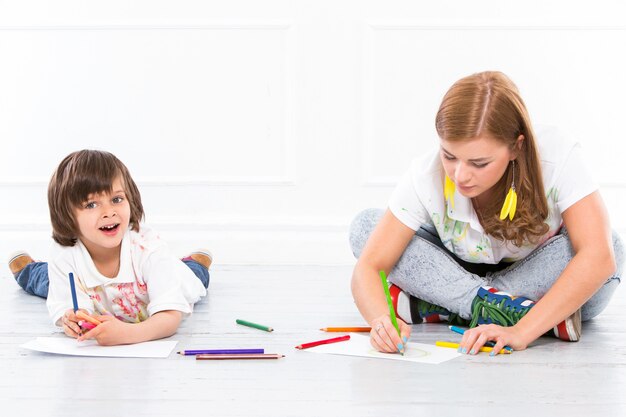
(323, 342)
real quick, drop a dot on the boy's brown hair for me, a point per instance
(78, 175)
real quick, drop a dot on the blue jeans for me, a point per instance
(429, 271)
(34, 277)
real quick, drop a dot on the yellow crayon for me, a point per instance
(456, 346)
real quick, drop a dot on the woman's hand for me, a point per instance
(384, 337)
(110, 332)
(474, 339)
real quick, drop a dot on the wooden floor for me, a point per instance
(551, 378)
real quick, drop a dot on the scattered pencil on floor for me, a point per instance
(220, 351)
(323, 342)
(241, 356)
(456, 346)
(256, 326)
(346, 329)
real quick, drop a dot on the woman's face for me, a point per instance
(475, 165)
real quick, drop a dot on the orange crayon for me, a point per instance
(84, 316)
(346, 329)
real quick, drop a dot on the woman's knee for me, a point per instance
(618, 250)
(361, 228)
(596, 304)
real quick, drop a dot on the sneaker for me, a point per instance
(18, 261)
(202, 256)
(499, 307)
(415, 311)
(570, 329)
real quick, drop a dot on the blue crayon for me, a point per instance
(73, 289)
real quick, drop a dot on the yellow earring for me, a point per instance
(510, 202)
(448, 191)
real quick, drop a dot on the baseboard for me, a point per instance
(235, 244)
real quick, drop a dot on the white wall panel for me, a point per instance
(143, 92)
(569, 77)
(258, 129)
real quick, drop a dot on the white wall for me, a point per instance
(259, 128)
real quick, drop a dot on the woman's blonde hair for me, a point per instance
(489, 103)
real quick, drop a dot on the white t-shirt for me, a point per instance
(150, 280)
(418, 199)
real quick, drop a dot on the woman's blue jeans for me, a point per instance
(428, 271)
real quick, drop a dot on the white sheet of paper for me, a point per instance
(69, 346)
(359, 345)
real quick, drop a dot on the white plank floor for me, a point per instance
(551, 378)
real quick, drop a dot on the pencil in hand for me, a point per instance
(82, 315)
(392, 312)
(85, 325)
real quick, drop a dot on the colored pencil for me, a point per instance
(84, 324)
(73, 290)
(456, 346)
(256, 326)
(346, 329)
(87, 317)
(392, 312)
(489, 344)
(241, 356)
(220, 351)
(323, 342)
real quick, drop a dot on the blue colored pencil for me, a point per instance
(220, 351)
(73, 289)
(490, 344)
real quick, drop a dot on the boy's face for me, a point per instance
(103, 220)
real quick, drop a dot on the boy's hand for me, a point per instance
(110, 332)
(70, 323)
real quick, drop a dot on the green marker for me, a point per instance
(256, 326)
(392, 312)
